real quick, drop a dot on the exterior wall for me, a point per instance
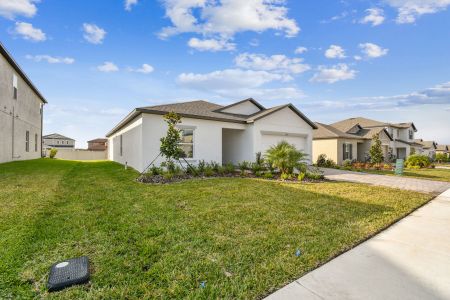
(286, 123)
(131, 145)
(207, 138)
(237, 146)
(58, 143)
(244, 108)
(79, 154)
(97, 146)
(328, 147)
(24, 113)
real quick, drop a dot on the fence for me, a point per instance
(79, 154)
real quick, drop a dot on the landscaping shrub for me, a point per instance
(201, 166)
(314, 175)
(209, 171)
(285, 157)
(268, 175)
(376, 152)
(347, 163)
(243, 166)
(416, 160)
(53, 153)
(301, 176)
(229, 168)
(441, 157)
(154, 170)
(321, 160)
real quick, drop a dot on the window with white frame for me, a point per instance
(15, 86)
(411, 134)
(27, 141)
(187, 142)
(347, 151)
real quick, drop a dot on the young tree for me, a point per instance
(376, 152)
(170, 148)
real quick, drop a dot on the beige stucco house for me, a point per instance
(353, 145)
(21, 112)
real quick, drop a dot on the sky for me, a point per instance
(96, 60)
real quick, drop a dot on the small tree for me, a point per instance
(441, 157)
(53, 152)
(285, 157)
(376, 152)
(170, 148)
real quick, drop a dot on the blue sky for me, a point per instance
(97, 60)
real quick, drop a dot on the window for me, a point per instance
(35, 142)
(411, 134)
(57, 142)
(27, 141)
(15, 86)
(347, 151)
(121, 144)
(187, 142)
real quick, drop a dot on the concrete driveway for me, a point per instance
(405, 183)
(409, 260)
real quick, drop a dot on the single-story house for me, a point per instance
(354, 144)
(210, 132)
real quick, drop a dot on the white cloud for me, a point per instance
(357, 57)
(225, 18)
(144, 69)
(229, 79)
(108, 67)
(333, 74)
(211, 45)
(375, 16)
(300, 50)
(410, 10)
(93, 34)
(276, 63)
(335, 51)
(51, 59)
(12, 8)
(130, 3)
(28, 32)
(371, 50)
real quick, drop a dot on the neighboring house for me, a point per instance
(210, 132)
(56, 140)
(98, 144)
(443, 149)
(354, 144)
(402, 134)
(428, 147)
(21, 110)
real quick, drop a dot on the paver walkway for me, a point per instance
(406, 183)
(409, 260)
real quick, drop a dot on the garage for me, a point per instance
(270, 139)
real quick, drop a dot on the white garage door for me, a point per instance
(268, 140)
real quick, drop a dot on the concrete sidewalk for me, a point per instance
(409, 260)
(400, 182)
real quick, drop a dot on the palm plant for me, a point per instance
(285, 157)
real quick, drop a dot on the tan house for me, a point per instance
(353, 145)
(21, 112)
(98, 144)
(444, 149)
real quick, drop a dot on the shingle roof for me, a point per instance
(57, 136)
(329, 132)
(347, 124)
(201, 109)
(99, 140)
(428, 144)
(442, 147)
(22, 74)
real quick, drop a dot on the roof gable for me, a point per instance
(57, 136)
(245, 107)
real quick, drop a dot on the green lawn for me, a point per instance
(431, 174)
(161, 241)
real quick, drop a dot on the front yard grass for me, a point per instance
(430, 174)
(238, 236)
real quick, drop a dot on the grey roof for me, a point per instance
(427, 144)
(201, 109)
(329, 132)
(22, 74)
(347, 124)
(368, 133)
(57, 136)
(442, 147)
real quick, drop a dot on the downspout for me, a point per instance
(12, 134)
(42, 126)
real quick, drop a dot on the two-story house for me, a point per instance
(99, 144)
(58, 141)
(21, 112)
(352, 138)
